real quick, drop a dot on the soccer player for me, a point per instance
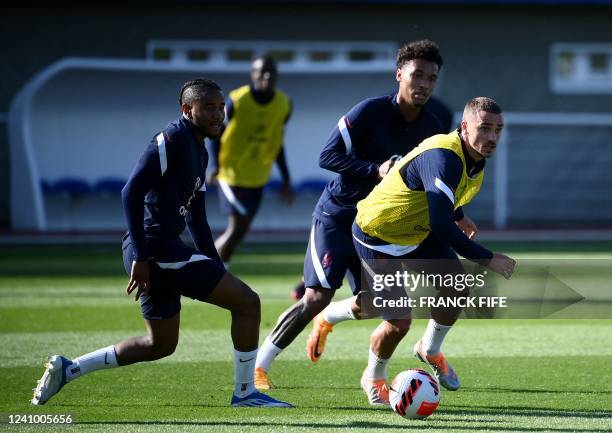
(409, 216)
(164, 193)
(445, 116)
(244, 153)
(361, 149)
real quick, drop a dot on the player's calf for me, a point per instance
(245, 308)
(293, 321)
(161, 341)
(290, 324)
(60, 370)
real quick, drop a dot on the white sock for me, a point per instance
(244, 370)
(99, 360)
(267, 352)
(377, 367)
(226, 265)
(434, 336)
(340, 311)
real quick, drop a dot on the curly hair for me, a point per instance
(194, 90)
(423, 49)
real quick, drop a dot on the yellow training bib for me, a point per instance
(252, 138)
(398, 215)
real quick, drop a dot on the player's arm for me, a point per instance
(146, 174)
(281, 160)
(338, 154)
(440, 171)
(285, 193)
(465, 223)
(197, 223)
(215, 145)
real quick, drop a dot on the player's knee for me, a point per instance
(400, 327)
(162, 347)
(250, 304)
(359, 312)
(166, 349)
(240, 226)
(237, 233)
(446, 316)
(316, 300)
(363, 307)
(252, 300)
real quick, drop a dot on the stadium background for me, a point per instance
(551, 58)
(89, 121)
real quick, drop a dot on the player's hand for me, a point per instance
(502, 265)
(385, 167)
(211, 179)
(286, 192)
(139, 279)
(468, 227)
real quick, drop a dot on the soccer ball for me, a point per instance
(414, 394)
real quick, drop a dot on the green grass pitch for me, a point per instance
(517, 375)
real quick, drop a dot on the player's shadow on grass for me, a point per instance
(318, 387)
(446, 409)
(534, 391)
(430, 425)
(225, 406)
(526, 411)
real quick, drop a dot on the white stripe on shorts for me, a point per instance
(390, 249)
(179, 265)
(315, 261)
(229, 194)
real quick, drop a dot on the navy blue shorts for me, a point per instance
(431, 256)
(175, 270)
(238, 200)
(430, 248)
(330, 255)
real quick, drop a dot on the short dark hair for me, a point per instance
(423, 49)
(482, 103)
(194, 90)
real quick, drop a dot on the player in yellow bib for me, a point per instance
(411, 214)
(248, 146)
(397, 214)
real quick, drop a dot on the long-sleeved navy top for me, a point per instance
(442, 164)
(369, 134)
(262, 99)
(441, 111)
(165, 192)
